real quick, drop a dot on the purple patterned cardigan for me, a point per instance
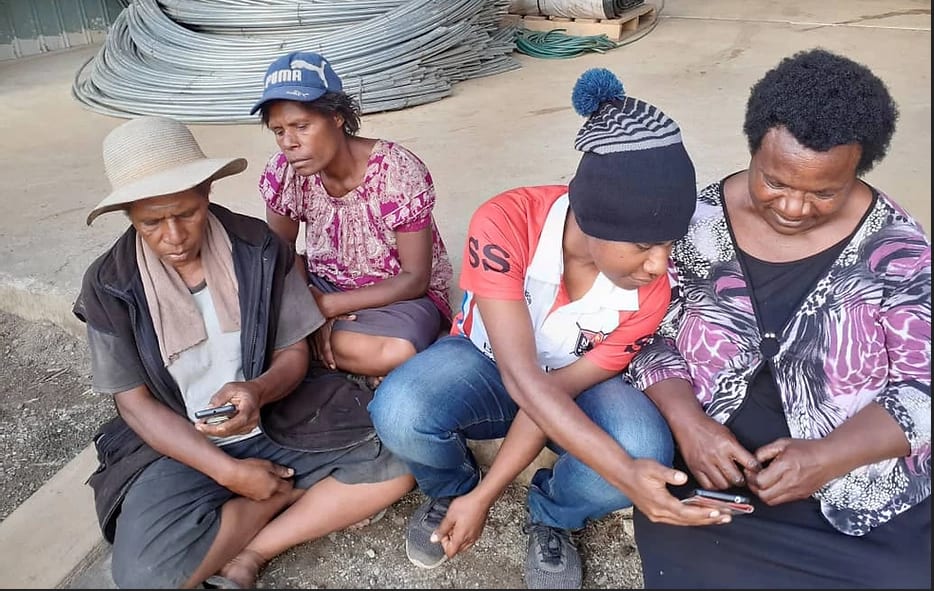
(863, 334)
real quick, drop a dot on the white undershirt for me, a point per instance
(203, 369)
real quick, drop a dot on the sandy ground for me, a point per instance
(47, 410)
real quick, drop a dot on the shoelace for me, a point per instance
(437, 511)
(550, 541)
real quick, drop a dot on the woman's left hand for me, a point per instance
(321, 345)
(793, 470)
(321, 341)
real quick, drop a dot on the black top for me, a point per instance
(778, 289)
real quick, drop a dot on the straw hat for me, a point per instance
(153, 156)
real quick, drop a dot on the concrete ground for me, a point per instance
(494, 133)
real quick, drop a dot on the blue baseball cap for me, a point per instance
(299, 76)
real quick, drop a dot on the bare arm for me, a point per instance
(287, 369)
(546, 401)
(412, 282)
(466, 517)
(172, 434)
(869, 436)
(525, 440)
(287, 229)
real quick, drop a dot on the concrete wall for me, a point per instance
(30, 27)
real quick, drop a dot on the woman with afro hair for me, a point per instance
(794, 364)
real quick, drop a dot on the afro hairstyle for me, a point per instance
(824, 100)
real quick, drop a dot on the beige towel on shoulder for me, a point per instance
(175, 316)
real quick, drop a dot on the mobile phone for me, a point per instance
(217, 414)
(724, 502)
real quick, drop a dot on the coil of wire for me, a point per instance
(598, 9)
(202, 61)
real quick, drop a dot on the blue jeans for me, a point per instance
(426, 409)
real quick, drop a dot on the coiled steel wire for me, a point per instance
(274, 16)
(391, 54)
(598, 9)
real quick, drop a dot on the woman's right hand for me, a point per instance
(713, 455)
(321, 344)
(258, 479)
(321, 341)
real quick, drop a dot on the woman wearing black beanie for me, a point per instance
(563, 286)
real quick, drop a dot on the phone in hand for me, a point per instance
(729, 503)
(216, 414)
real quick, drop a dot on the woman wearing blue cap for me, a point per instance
(374, 258)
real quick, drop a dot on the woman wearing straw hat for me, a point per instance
(197, 307)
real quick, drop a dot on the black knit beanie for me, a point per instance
(635, 181)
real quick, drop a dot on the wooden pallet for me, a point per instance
(617, 29)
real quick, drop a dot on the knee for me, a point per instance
(394, 352)
(645, 436)
(373, 355)
(394, 409)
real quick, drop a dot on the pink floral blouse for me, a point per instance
(351, 240)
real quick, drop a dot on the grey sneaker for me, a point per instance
(419, 548)
(553, 561)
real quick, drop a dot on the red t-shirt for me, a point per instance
(514, 252)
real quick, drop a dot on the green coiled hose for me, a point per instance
(556, 44)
